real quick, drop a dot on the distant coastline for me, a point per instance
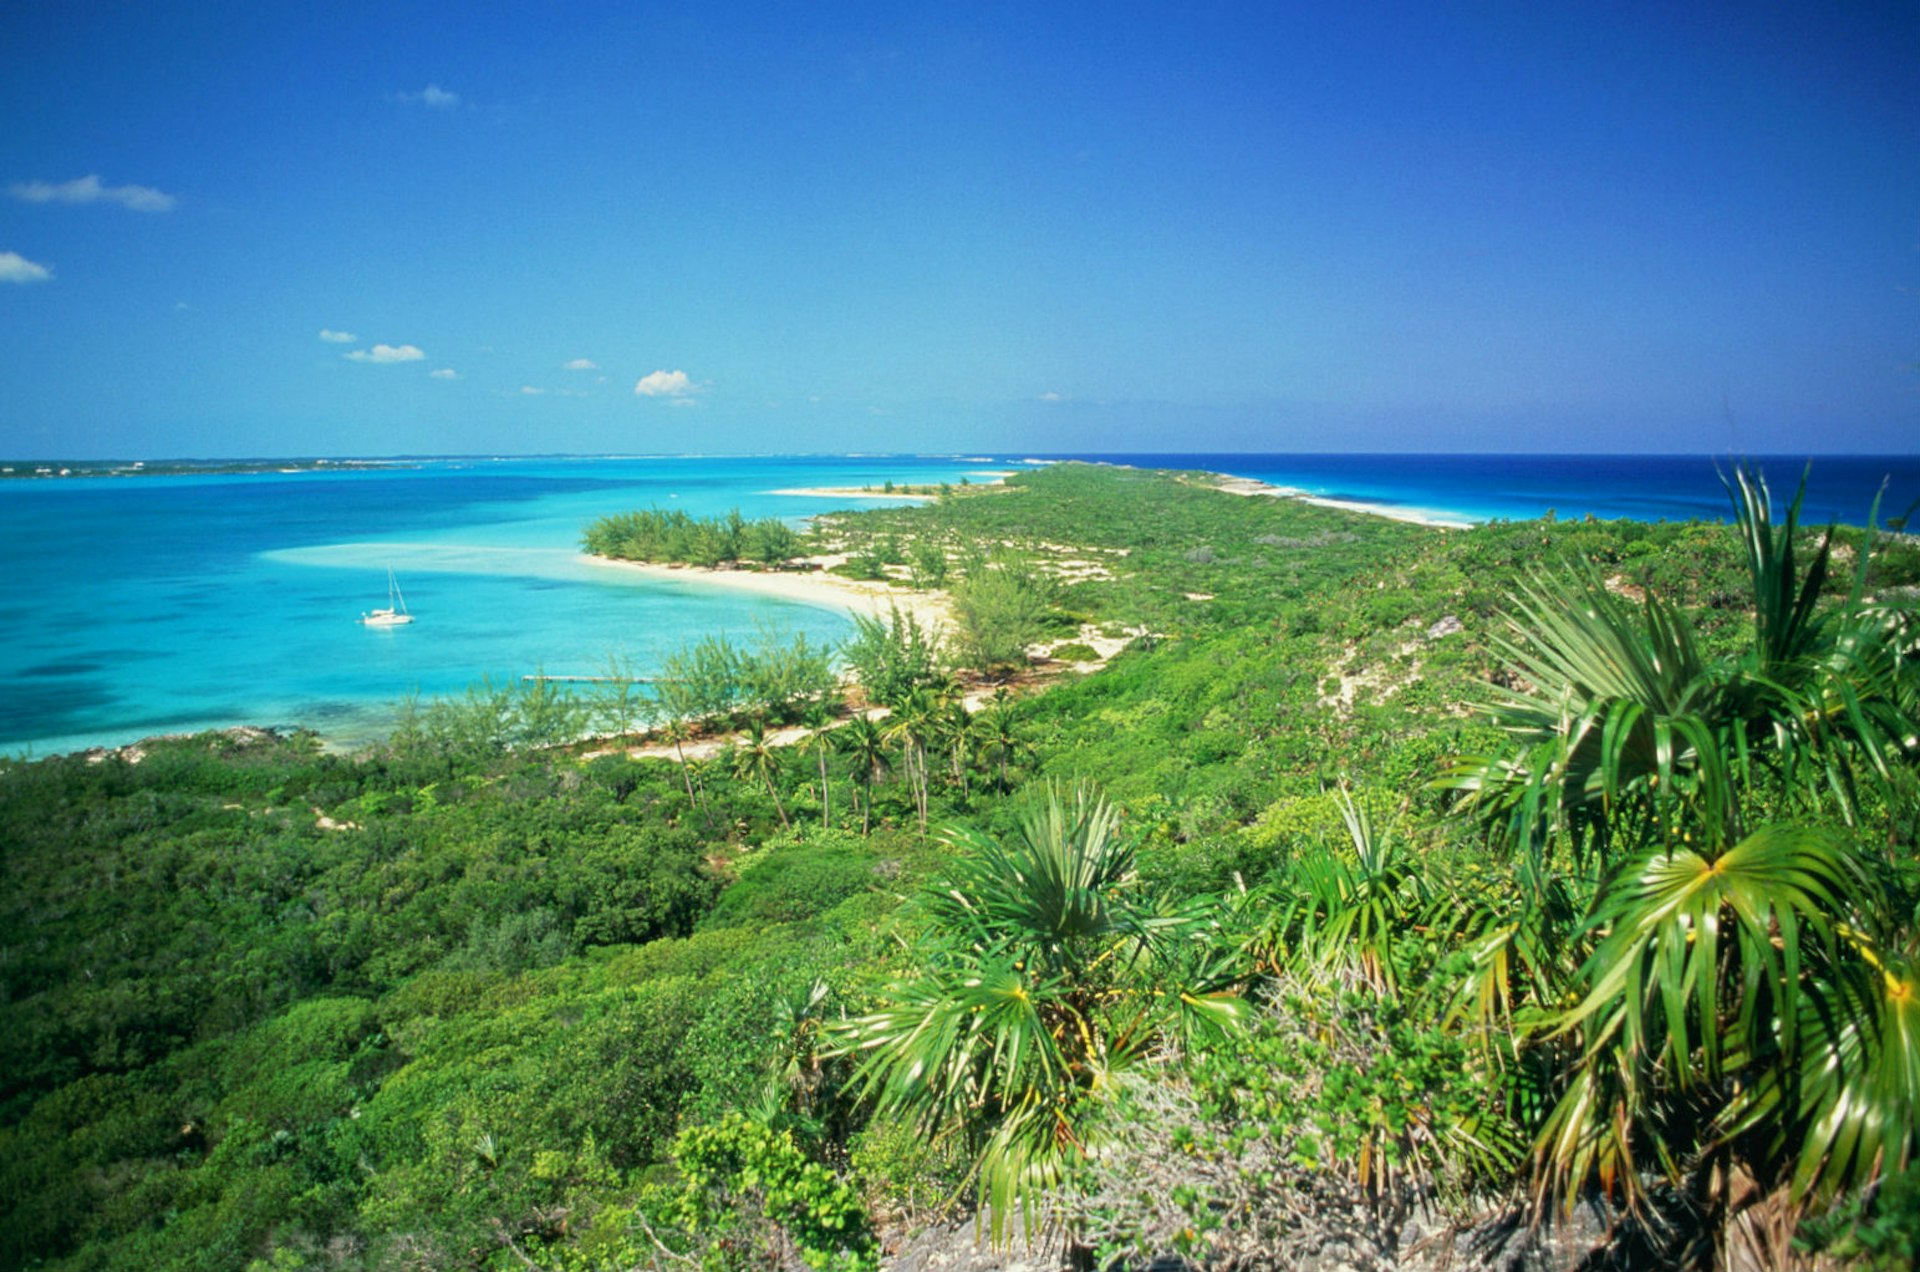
(1231, 485)
(30, 470)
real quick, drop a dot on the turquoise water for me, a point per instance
(151, 605)
(165, 604)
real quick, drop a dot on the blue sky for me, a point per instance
(730, 228)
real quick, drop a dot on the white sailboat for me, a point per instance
(395, 612)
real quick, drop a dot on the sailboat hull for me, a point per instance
(395, 612)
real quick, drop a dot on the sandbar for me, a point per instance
(849, 492)
(812, 587)
(924, 490)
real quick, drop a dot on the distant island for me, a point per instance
(41, 469)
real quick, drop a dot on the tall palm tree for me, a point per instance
(914, 724)
(866, 744)
(1042, 969)
(757, 759)
(677, 731)
(1001, 734)
(960, 731)
(819, 720)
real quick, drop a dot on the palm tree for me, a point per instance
(1001, 734)
(960, 731)
(1345, 914)
(1042, 969)
(677, 731)
(819, 719)
(1744, 1017)
(866, 743)
(757, 759)
(914, 723)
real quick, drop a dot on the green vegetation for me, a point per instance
(1523, 867)
(677, 538)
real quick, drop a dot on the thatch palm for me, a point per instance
(915, 724)
(820, 723)
(1344, 913)
(961, 733)
(755, 758)
(1741, 1019)
(1627, 732)
(863, 741)
(1001, 734)
(1043, 968)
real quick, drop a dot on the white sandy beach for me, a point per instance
(847, 492)
(994, 478)
(1249, 486)
(813, 587)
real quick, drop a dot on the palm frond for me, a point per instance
(1700, 980)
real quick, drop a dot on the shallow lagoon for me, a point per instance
(144, 605)
(148, 605)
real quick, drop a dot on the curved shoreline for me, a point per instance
(1229, 484)
(813, 587)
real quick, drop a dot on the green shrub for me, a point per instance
(797, 880)
(747, 1197)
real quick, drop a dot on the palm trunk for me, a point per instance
(778, 807)
(685, 775)
(921, 792)
(826, 792)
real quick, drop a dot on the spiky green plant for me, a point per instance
(1343, 909)
(1042, 968)
(1740, 1021)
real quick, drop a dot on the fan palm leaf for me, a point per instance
(1849, 1108)
(1704, 970)
(1042, 968)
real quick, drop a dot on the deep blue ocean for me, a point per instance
(144, 605)
(1477, 488)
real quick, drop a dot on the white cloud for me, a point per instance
(385, 353)
(89, 190)
(432, 95)
(663, 384)
(531, 391)
(15, 268)
(444, 373)
(1051, 397)
(580, 364)
(337, 337)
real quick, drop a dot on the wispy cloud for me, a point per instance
(331, 336)
(444, 373)
(531, 390)
(664, 384)
(385, 353)
(89, 189)
(580, 364)
(432, 96)
(15, 268)
(1051, 397)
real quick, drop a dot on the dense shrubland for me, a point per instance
(1425, 873)
(673, 537)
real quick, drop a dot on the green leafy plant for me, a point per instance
(1041, 971)
(748, 1197)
